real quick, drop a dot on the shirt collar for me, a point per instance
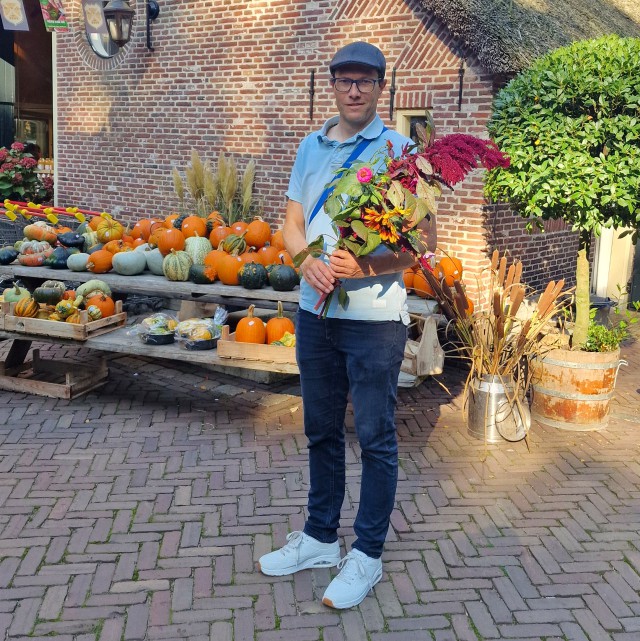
(370, 132)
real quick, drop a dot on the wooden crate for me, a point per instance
(52, 378)
(73, 331)
(229, 348)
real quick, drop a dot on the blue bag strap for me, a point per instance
(362, 145)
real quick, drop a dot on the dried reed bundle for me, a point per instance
(228, 185)
(178, 185)
(247, 187)
(195, 177)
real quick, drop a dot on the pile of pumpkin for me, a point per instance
(447, 269)
(278, 330)
(53, 301)
(181, 248)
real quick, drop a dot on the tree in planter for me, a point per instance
(571, 126)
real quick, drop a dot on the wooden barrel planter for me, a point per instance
(572, 390)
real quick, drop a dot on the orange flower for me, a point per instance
(381, 222)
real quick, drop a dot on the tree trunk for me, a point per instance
(582, 292)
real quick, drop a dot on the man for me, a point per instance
(356, 351)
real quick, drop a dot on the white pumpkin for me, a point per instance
(129, 263)
(78, 262)
(154, 261)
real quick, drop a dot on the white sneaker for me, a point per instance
(358, 575)
(301, 552)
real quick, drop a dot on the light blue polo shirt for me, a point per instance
(376, 298)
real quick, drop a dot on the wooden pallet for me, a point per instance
(52, 378)
(229, 348)
(74, 331)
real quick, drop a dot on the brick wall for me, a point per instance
(233, 77)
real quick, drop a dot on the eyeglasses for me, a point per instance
(364, 85)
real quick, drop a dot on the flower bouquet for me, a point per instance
(370, 207)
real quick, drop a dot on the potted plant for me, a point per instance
(498, 340)
(570, 126)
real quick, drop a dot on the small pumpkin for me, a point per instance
(170, 239)
(78, 262)
(8, 255)
(109, 229)
(40, 231)
(278, 326)
(267, 255)
(74, 317)
(35, 247)
(198, 247)
(100, 261)
(252, 276)
(202, 274)
(194, 226)
(71, 239)
(58, 257)
(228, 267)
(129, 263)
(90, 239)
(15, 293)
(47, 295)
(277, 239)
(105, 304)
(234, 244)
(65, 308)
(283, 278)
(176, 265)
(94, 312)
(26, 308)
(251, 329)
(56, 284)
(258, 233)
(218, 235)
(154, 260)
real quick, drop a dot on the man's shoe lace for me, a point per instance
(352, 569)
(294, 541)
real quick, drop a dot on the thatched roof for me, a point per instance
(507, 35)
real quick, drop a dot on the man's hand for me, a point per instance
(344, 264)
(318, 274)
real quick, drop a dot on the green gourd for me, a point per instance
(202, 274)
(234, 244)
(95, 284)
(283, 278)
(58, 257)
(129, 263)
(15, 293)
(8, 255)
(252, 276)
(197, 247)
(176, 265)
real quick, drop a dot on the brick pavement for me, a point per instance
(139, 512)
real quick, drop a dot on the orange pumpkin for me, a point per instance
(448, 269)
(408, 277)
(69, 294)
(62, 229)
(267, 255)
(215, 219)
(142, 229)
(239, 227)
(100, 261)
(278, 325)
(228, 268)
(115, 246)
(168, 221)
(170, 239)
(258, 233)
(213, 257)
(277, 239)
(251, 329)
(94, 222)
(421, 286)
(194, 226)
(156, 230)
(285, 258)
(104, 303)
(109, 229)
(218, 234)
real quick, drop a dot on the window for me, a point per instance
(407, 119)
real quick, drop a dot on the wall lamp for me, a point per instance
(119, 17)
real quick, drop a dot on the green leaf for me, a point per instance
(343, 298)
(360, 229)
(395, 194)
(315, 249)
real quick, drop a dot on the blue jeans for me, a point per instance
(335, 357)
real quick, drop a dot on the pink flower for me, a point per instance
(17, 179)
(3, 154)
(18, 146)
(28, 163)
(364, 175)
